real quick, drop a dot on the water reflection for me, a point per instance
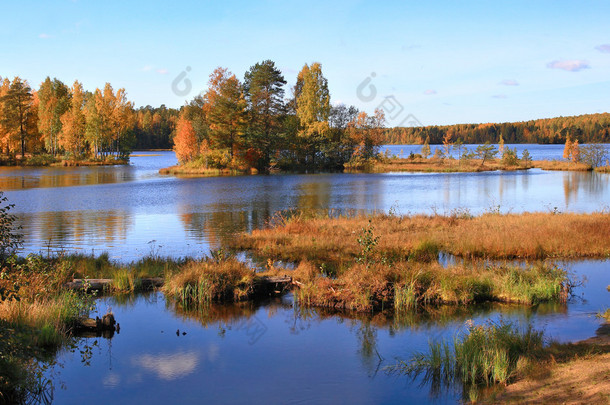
(312, 354)
(171, 366)
(28, 178)
(74, 229)
(190, 216)
(590, 184)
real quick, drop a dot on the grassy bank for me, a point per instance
(419, 164)
(518, 366)
(43, 160)
(196, 170)
(406, 286)
(339, 241)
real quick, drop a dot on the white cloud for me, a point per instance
(499, 96)
(605, 48)
(44, 36)
(573, 65)
(162, 71)
(147, 68)
(429, 92)
(509, 82)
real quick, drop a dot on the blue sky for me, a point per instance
(442, 62)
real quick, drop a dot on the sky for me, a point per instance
(422, 62)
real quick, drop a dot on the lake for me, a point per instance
(132, 210)
(272, 351)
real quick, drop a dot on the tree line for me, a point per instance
(72, 123)
(251, 124)
(234, 124)
(588, 128)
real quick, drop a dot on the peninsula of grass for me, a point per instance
(366, 262)
(200, 171)
(388, 165)
(334, 240)
(44, 160)
(435, 165)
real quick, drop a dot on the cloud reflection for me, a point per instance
(170, 366)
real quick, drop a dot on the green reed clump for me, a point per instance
(405, 297)
(485, 355)
(207, 280)
(124, 280)
(533, 284)
(156, 266)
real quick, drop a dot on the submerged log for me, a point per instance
(96, 327)
(272, 285)
(263, 286)
(100, 284)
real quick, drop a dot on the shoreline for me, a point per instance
(417, 165)
(573, 373)
(68, 163)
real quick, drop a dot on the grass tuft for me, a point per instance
(485, 355)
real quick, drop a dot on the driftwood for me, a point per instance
(100, 284)
(88, 327)
(271, 285)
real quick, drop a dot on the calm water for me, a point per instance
(537, 152)
(131, 210)
(274, 353)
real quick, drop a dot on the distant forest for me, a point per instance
(71, 122)
(236, 123)
(585, 128)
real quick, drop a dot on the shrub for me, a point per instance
(10, 239)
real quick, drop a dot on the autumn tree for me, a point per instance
(575, 151)
(567, 149)
(5, 130)
(225, 109)
(71, 137)
(264, 91)
(447, 143)
(425, 149)
(97, 123)
(367, 132)
(312, 107)
(16, 113)
(122, 120)
(185, 142)
(54, 101)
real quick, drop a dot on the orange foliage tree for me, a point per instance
(185, 142)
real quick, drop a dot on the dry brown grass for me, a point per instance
(182, 170)
(603, 169)
(207, 280)
(560, 165)
(34, 313)
(439, 165)
(507, 236)
(566, 374)
(471, 165)
(405, 286)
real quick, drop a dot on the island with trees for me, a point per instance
(253, 126)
